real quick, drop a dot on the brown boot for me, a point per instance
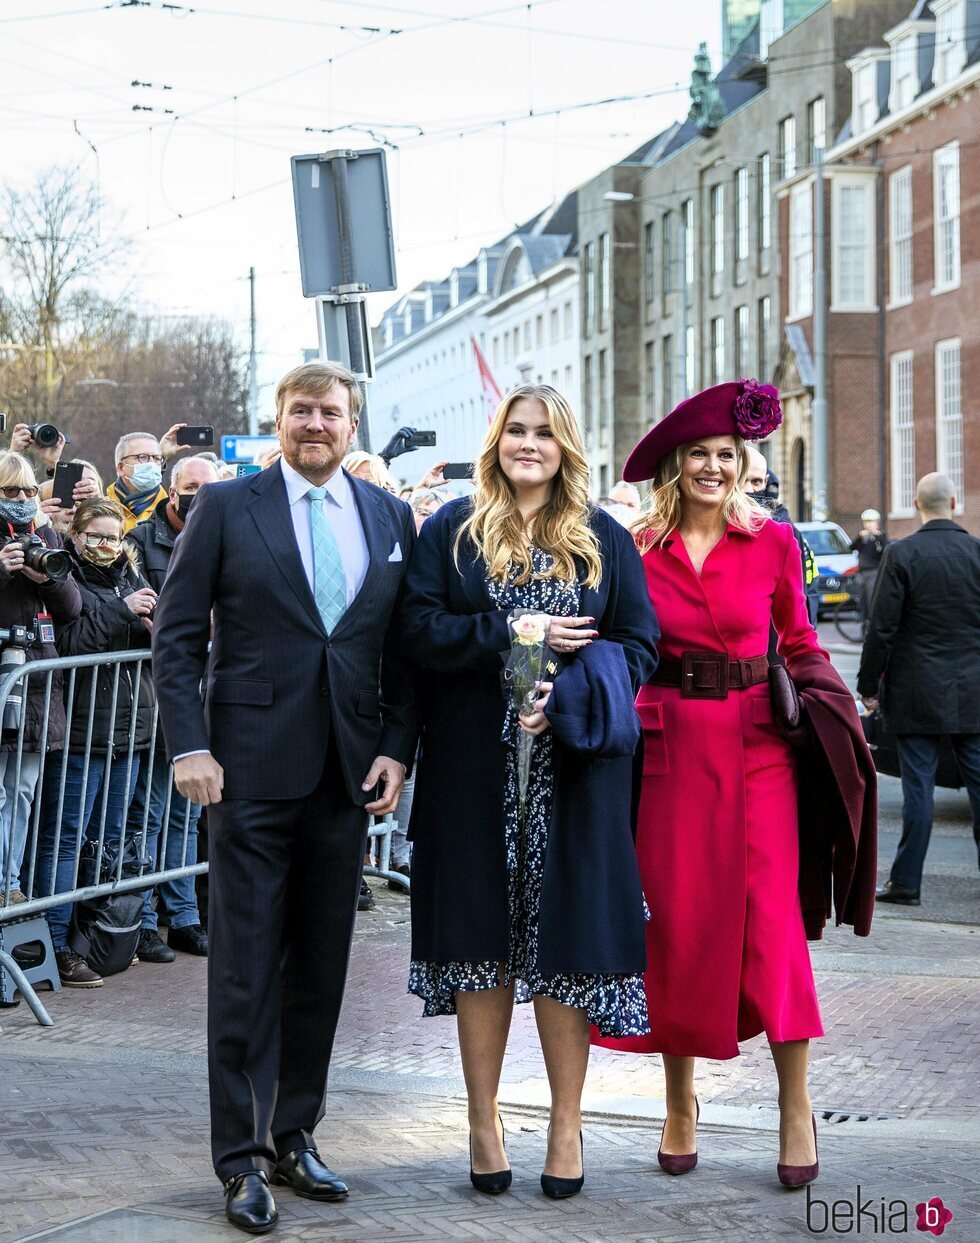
(75, 971)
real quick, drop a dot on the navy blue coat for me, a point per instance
(591, 911)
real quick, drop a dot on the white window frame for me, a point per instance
(740, 342)
(689, 272)
(839, 184)
(816, 119)
(765, 201)
(718, 229)
(865, 88)
(901, 433)
(741, 214)
(949, 417)
(950, 56)
(787, 147)
(605, 281)
(801, 251)
(718, 359)
(905, 72)
(946, 226)
(901, 273)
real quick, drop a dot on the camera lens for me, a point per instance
(45, 435)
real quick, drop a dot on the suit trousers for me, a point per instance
(284, 879)
(919, 759)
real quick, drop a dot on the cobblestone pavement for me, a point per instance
(104, 1131)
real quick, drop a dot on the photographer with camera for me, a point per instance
(47, 442)
(117, 605)
(153, 543)
(35, 602)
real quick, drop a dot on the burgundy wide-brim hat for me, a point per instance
(743, 408)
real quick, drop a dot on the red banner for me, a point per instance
(492, 396)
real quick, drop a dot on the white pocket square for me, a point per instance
(396, 553)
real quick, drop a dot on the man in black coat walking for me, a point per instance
(923, 647)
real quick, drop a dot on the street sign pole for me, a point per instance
(338, 265)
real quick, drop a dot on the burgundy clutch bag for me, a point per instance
(786, 709)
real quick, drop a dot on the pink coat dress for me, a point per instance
(717, 837)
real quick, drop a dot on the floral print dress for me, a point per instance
(615, 1004)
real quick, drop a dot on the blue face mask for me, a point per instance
(18, 513)
(146, 476)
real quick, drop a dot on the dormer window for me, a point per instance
(950, 39)
(905, 82)
(869, 87)
(454, 289)
(865, 98)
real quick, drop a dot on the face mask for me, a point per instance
(101, 556)
(146, 476)
(19, 513)
(185, 504)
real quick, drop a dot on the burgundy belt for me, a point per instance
(710, 675)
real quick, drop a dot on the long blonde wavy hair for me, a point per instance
(496, 528)
(663, 514)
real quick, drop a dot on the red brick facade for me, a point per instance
(861, 345)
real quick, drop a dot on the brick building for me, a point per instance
(684, 234)
(902, 255)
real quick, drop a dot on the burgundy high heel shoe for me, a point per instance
(684, 1163)
(800, 1175)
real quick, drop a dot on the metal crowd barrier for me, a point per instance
(122, 845)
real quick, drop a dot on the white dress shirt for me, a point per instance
(340, 510)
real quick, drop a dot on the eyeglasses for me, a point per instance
(13, 493)
(143, 458)
(97, 541)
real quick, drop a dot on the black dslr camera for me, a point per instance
(44, 435)
(43, 560)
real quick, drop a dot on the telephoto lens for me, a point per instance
(44, 435)
(44, 560)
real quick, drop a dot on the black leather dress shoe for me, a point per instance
(898, 895)
(303, 1170)
(250, 1205)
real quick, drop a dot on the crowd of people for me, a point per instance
(119, 539)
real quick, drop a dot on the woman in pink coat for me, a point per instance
(717, 837)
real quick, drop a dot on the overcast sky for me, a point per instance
(203, 191)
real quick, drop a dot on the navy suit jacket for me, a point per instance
(277, 686)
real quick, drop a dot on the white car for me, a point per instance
(836, 564)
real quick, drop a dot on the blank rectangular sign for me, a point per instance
(317, 224)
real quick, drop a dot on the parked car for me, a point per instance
(885, 752)
(836, 564)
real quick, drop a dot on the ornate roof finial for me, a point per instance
(708, 110)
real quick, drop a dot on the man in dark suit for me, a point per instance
(300, 567)
(923, 646)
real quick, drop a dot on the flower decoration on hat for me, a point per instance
(756, 410)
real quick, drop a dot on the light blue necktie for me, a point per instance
(329, 581)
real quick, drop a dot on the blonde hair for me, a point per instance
(561, 528)
(378, 473)
(317, 379)
(663, 515)
(16, 472)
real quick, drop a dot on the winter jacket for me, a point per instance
(923, 640)
(153, 541)
(106, 624)
(20, 602)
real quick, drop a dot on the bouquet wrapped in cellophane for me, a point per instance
(529, 662)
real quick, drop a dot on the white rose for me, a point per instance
(530, 629)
